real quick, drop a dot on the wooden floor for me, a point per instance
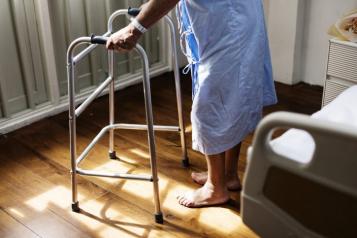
(35, 181)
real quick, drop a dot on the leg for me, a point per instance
(214, 191)
(185, 161)
(232, 157)
(231, 167)
(112, 154)
(72, 132)
(151, 137)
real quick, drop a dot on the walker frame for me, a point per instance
(74, 112)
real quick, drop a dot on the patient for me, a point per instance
(228, 54)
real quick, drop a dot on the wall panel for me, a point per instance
(22, 76)
(35, 35)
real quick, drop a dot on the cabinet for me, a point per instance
(341, 70)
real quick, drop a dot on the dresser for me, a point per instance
(341, 69)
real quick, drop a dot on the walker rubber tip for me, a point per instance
(185, 163)
(113, 155)
(75, 207)
(159, 218)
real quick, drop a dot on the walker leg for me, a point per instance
(72, 136)
(159, 218)
(152, 150)
(185, 160)
(151, 137)
(112, 154)
(75, 207)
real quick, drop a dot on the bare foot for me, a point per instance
(233, 182)
(199, 178)
(205, 196)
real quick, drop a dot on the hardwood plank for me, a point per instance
(47, 204)
(12, 228)
(129, 190)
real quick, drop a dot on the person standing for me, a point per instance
(228, 52)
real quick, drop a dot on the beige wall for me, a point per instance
(299, 39)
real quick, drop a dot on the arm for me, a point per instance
(152, 11)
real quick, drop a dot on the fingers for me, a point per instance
(120, 45)
(110, 44)
(121, 41)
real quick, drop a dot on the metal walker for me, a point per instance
(150, 127)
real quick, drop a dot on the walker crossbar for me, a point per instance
(94, 41)
(120, 126)
(98, 173)
(93, 96)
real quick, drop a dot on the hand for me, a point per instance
(124, 40)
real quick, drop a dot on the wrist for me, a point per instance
(137, 26)
(134, 31)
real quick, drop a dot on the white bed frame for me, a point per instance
(285, 198)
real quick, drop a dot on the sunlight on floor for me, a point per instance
(140, 153)
(110, 219)
(188, 129)
(108, 216)
(113, 166)
(222, 218)
(16, 212)
(56, 195)
(143, 190)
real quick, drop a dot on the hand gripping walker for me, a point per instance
(150, 127)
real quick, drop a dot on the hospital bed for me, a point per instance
(304, 183)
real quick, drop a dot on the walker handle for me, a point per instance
(132, 11)
(101, 40)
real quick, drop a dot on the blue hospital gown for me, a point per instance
(228, 51)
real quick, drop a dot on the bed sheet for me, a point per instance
(298, 145)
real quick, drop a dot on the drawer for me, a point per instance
(343, 61)
(332, 89)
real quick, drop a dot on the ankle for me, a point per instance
(216, 188)
(232, 176)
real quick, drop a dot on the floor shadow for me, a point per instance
(117, 224)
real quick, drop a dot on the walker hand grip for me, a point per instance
(98, 39)
(133, 11)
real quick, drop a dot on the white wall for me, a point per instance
(299, 39)
(285, 24)
(319, 16)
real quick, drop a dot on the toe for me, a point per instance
(182, 200)
(194, 175)
(186, 202)
(190, 204)
(185, 199)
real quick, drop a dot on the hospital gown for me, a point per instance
(228, 52)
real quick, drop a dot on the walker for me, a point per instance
(74, 112)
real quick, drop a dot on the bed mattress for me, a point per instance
(299, 145)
